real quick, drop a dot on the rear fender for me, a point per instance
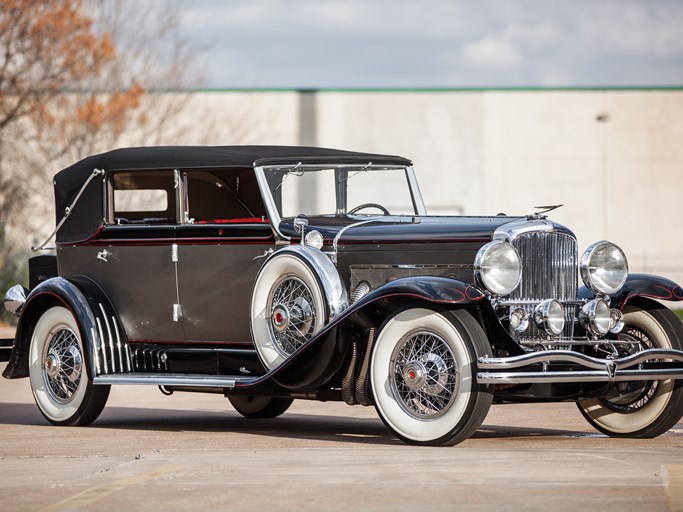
(104, 342)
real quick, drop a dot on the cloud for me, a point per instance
(437, 43)
(491, 53)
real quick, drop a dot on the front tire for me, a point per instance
(260, 406)
(423, 376)
(57, 371)
(642, 409)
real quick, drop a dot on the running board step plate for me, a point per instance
(172, 379)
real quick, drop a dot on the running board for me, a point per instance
(519, 370)
(172, 379)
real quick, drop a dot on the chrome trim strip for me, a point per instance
(104, 351)
(415, 191)
(569, 376)
(514, 229)
(346, 228)
(94, 352)
(269, 202)
(110, 340)
(172, 379)
(118, 344)
(569, 356)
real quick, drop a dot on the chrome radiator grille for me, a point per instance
(549, 267)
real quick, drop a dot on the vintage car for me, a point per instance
(269, 274)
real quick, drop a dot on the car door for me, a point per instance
(136, 254)
(222, 244)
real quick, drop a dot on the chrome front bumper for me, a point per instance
(559, 366)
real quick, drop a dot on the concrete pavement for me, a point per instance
(193, 452)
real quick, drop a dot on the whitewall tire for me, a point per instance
(423, 376)
(287, 308)
(642, 409)
(57, 371)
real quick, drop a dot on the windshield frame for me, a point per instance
(340, 192)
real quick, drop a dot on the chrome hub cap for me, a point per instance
(292, 317)
(423, 375)
(62, 365)
(280, 318)
(52, 365)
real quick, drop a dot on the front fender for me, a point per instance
(437, 290)
(441, 290)
(97, 322)
(641, 285)
(650, 286)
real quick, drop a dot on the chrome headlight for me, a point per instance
(596, 317)
(314, 239)
(549, 316)
(498, 267)
(604, 268)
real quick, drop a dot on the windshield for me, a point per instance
(340, 190)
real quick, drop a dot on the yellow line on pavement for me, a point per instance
(673, 479)
(96, 493)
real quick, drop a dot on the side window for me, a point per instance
(224, 196)
(145, 197)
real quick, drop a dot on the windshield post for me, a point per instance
(340, 177)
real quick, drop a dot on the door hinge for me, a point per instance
(177, 313)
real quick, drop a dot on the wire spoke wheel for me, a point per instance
(633, 396)
(62, 364)
(424, 375)
(57, 371)
(641, 409)
(292, 317)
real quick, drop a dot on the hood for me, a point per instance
(402, 229)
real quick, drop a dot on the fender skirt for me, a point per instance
(320, 357)
(104, 342)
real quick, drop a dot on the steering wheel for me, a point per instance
(369, 205)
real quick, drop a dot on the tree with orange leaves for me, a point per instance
(48, 49)
(71, 84)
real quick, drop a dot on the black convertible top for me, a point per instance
(166, 157)
(87, 217)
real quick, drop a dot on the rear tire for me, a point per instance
(647, 409)
(260, 406)
(57, 371)
(423, 376)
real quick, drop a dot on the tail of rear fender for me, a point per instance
(90, 307)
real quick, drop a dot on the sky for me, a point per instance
(436, 43)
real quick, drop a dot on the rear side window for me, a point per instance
(142, 198)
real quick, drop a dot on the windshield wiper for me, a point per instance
(293, 171)
(348, 177)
